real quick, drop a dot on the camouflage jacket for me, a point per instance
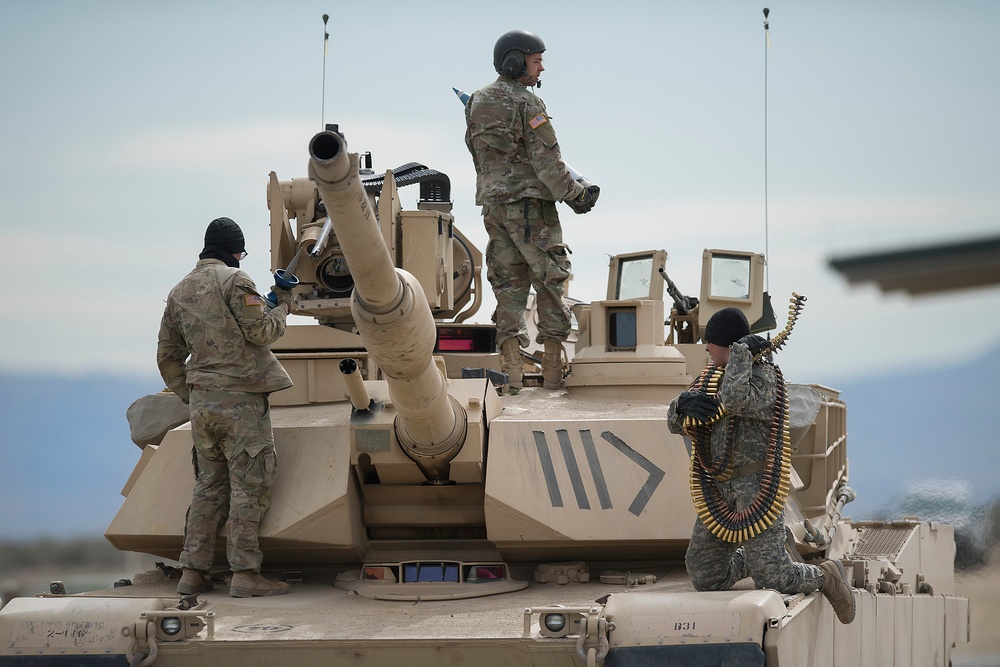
(215, 334)
(514, 146)
(748, 392)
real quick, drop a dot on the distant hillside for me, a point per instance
(923, 425)
(66, 453)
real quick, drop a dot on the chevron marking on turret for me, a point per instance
(596, 471)
(548, 471)
(573, 469)
(655, 474)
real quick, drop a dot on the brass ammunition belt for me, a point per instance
(713, 511)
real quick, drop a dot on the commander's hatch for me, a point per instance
(621, 341)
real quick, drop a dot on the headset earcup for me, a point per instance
(513, 65)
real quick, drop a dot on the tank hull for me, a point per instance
(652, 623)
(592, 515)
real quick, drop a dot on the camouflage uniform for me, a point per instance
(213, 353)
(520, 176)
(748, 392)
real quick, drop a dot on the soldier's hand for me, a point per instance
(698, 405)
(282, 296)
(586, 200)
(686, 400)
(754, 343)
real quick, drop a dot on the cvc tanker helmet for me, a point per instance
(510, 50)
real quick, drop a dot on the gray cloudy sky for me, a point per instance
(127, 126)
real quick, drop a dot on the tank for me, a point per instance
(422, 515)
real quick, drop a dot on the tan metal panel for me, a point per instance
(885, 629)
(588, 481)
(902, 627)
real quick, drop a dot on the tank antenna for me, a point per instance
(326, 49)
(767, 45)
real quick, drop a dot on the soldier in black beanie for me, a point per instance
(748, 391)
(224, 241)
(726, 327)
(213, 351)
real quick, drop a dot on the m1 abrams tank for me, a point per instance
(423, 518)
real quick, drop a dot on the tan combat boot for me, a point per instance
(248, 583)
(837, 589)
(193, 581)
(552, 366)
(511, 364)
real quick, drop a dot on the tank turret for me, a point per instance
(375, 441)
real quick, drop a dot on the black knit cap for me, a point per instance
(726, 327)
(226, 235)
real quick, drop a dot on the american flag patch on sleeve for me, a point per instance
(537, 121)
(253, 300)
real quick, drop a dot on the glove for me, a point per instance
(586, 200)
(698, 405)
(754, 343)
(282, 296)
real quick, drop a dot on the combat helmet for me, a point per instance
(510, 50)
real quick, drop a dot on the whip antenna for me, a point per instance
(767, 45)
(326, 45)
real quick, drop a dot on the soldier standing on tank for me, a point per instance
(520, 176)
(213, 353)
(748, 391)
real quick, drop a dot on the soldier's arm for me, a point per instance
(543, 152)
(675, 420)
(171, 358)
(489, 128)
(743, 392)
(260, 327)
(468, 133)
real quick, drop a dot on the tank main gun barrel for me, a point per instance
(391, 314)
(335, 171)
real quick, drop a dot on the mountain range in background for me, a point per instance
(65, 451)
(926, 427)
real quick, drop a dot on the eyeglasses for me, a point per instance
(243, 255)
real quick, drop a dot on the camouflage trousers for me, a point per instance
(235, 466)
(525, 250)
(715, 565)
